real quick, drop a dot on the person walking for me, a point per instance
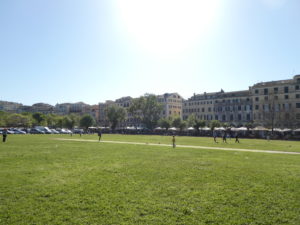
(174, 141)
(237, 138)
(99, 134)
(4, 134)
(215, 136)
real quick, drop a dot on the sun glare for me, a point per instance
(167, 27)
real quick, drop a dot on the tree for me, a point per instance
(86, 121)
(115, 115)
(39, 118)
(194, 122)
(214, 123)
(176, 122)
(18, 120)
(179, 123)
(68, 122)
(147, 109)
(165, 123)
(182, 125)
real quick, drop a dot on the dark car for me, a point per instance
(36, 131)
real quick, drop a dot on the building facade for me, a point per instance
(172, 105)
(277, 103)
(234, 108)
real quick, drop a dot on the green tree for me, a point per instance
(3, 116)
(176, 122)
(182, 125)
(165, 123)
(196, 123)
(39, 119)
(214, 123)
(115, 115)
(67, 122)
(18, 120)
(147, 109)
(86, 121)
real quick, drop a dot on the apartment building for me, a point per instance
(9, 106)
(172, 105)
(42, 108)
(277, 103)
(234, 108)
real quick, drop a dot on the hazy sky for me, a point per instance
(59, 51)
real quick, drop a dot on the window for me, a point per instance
(276, 97)
(276, 90)
(257, 99)
(298, 116)
(298, 105)
(286, 97)
(257, 107)
(266, 91)
(266, 98)
(248, 117)
(239, 117)
(297, 87)
(297, 95)
(231, 117)
(256, 91)
(286, 89)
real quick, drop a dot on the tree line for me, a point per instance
(147, 110)
(28, 120)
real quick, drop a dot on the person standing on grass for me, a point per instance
(173, 141)
(224, 137)
(237, 138)
(4, 134)
(215, 136)
(99, 134)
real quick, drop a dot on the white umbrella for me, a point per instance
(219, 128)
(260, 128)
(172, 128)
(205, 128)
(286, 130)
(242, 129)
(191, 128)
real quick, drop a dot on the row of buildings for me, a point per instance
(270, 104)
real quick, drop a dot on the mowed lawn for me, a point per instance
(47, 181)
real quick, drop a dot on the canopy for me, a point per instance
(191, 128)
(219, 128)
(205, 128)
(242, 129)
(260, 128)
(173, 128)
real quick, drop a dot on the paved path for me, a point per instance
(182, 146)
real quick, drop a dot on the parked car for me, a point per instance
(78, 131)
(36, 131)
(18, 131)
(54, 131)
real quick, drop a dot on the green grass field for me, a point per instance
(48, 181)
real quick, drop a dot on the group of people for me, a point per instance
(224, 137)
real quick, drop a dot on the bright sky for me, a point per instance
(95, 50)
